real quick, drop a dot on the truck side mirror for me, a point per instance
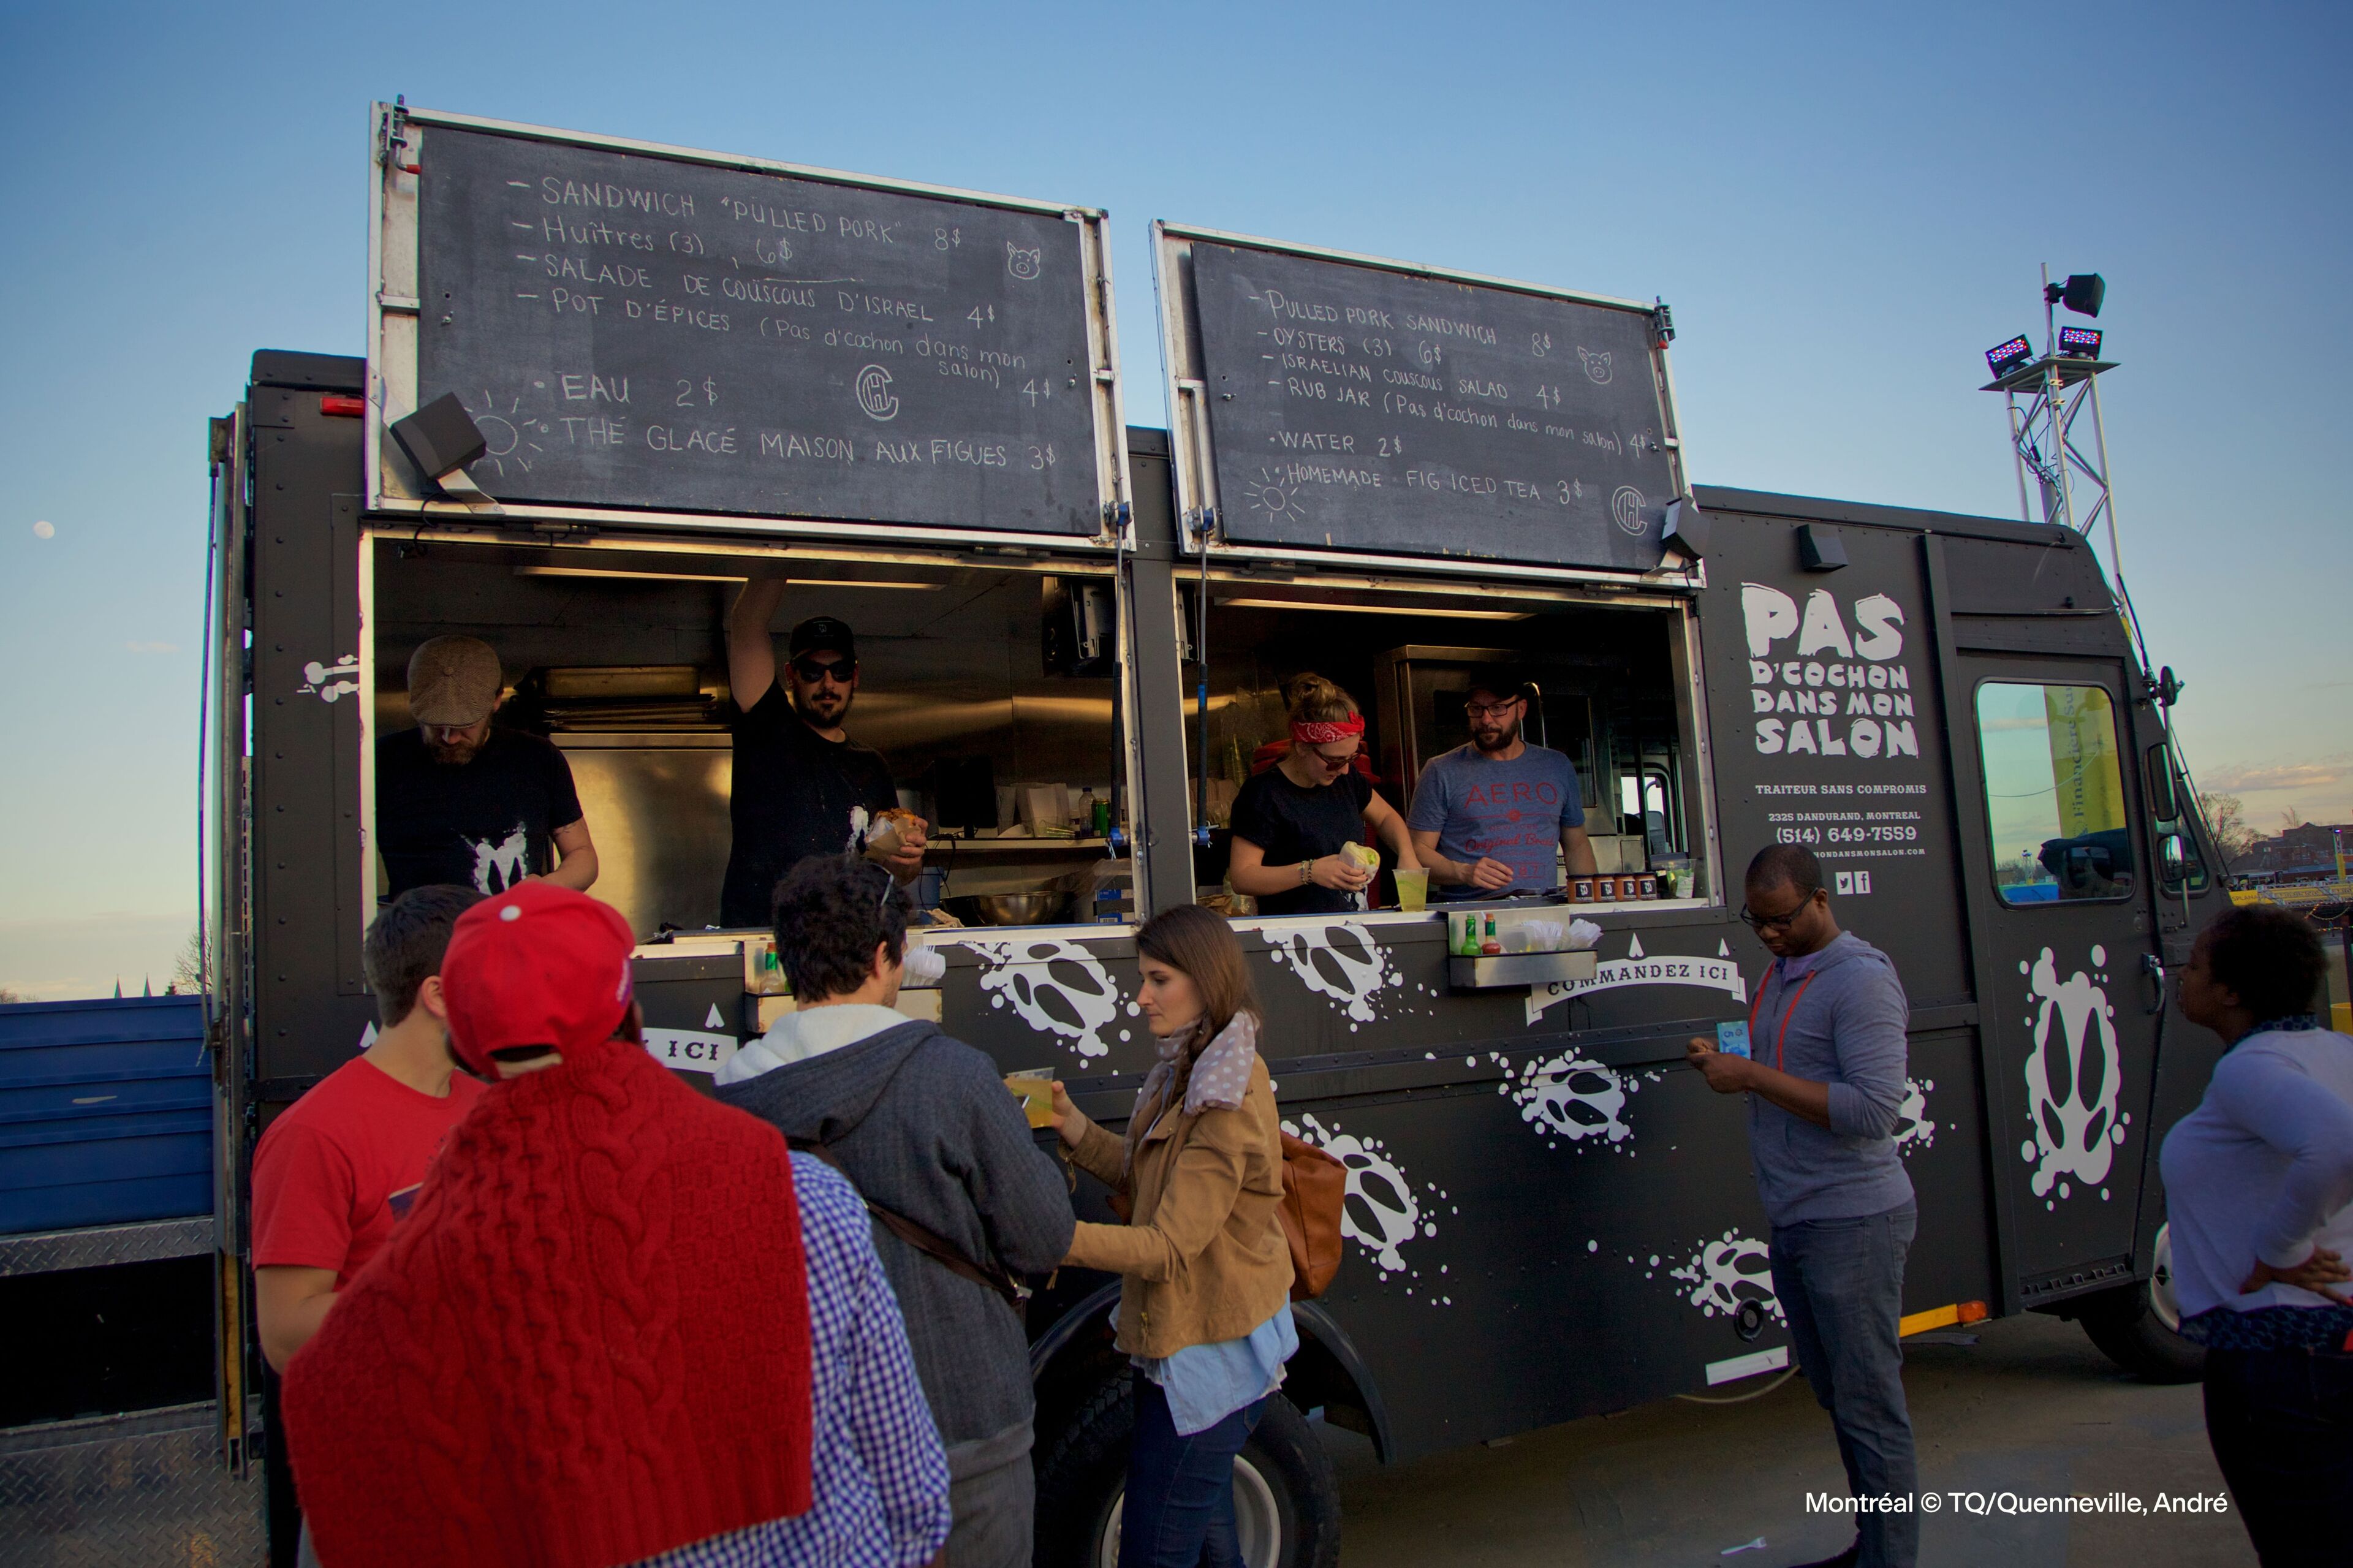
(2173, 858)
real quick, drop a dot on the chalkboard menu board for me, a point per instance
(639, 330)
(1356, 407)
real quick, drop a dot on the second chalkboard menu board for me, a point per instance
(1345, 404)
(672, 332)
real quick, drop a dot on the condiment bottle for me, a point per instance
(1491, 945)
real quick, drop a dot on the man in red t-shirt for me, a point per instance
(337, 1170)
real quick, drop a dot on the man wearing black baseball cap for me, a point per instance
(802, 787)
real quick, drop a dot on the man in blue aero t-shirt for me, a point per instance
(1486, 816)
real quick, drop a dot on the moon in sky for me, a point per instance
(45, 530)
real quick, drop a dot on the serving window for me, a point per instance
(989, 692)
(1609, 686)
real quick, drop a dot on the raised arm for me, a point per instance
(1381, 819)
(1202, 1187)
(751, 650)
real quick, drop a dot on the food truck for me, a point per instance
(606, 384)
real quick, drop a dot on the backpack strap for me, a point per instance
(924, 1240)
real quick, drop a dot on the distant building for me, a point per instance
(2306, 854)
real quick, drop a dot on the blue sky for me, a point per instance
(1845, 203)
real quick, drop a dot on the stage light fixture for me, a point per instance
(2081, 293)
(2003, 358)
(2079, 343)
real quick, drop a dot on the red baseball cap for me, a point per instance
(538, 965)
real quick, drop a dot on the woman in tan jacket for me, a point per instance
(1204, 1307)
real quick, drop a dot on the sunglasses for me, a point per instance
(841, 671)
(1334, 764)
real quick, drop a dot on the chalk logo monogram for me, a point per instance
(1056, 987)
(1626, 507)
(2075, 1077)
(1024, 264)
(874, 394)
(1597, 367)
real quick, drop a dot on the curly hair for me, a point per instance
(2269, 955)
(830, 912)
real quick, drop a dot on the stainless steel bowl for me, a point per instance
(1009, 909)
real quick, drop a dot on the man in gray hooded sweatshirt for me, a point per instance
(1824, 1078)
(923, 1126)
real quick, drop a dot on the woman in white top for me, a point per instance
(2259, 1191)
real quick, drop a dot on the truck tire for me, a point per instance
(2137, 1326)
(1286, 1493)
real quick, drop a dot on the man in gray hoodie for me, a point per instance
(925, 1127)
(1824, 1078)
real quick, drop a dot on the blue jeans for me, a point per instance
(1841, 1282)
(2281, 1427)
(1180, 1490)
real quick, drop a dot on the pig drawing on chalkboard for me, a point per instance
(1597, 367)
(1024, 264)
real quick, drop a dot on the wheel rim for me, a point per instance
(2161, 1299)
(1257, 1520)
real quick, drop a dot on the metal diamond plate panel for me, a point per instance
(119, 1489)
(44, 1252)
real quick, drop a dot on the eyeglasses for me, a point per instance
(1761, 923)
(1476, 710)
(1334, 765)
(841, 671)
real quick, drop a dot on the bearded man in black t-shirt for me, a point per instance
(802, 787)
(458, 800)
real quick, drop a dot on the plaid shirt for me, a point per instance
(880, 1478)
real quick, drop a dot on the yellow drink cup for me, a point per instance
(1412, 888)
(1034, 1086)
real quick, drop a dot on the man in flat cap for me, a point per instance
(802, 787)
(458, 800)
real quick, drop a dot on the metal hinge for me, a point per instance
(392, 151)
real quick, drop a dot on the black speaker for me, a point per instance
(1819, 549)
(440, 437)
(1685, 529)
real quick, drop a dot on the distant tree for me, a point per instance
(2226, 819)
(8, 995)
(2291, 819)
(188, 969)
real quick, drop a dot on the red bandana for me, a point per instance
(1325, 733)
(587, 1344)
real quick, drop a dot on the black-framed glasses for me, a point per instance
(1477, 710)
(1335, 765)
(841, 671)
(1762, 924)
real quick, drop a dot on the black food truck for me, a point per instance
(607, 383)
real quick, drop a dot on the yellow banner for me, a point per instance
(2083, 759)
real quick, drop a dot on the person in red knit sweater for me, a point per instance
(577, 1351)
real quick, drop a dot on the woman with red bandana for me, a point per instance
(1291, 821)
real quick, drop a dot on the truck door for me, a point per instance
(2067, 1004)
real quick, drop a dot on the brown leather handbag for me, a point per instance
(1315, 1185)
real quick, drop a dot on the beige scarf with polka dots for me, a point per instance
(1214, 1077)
